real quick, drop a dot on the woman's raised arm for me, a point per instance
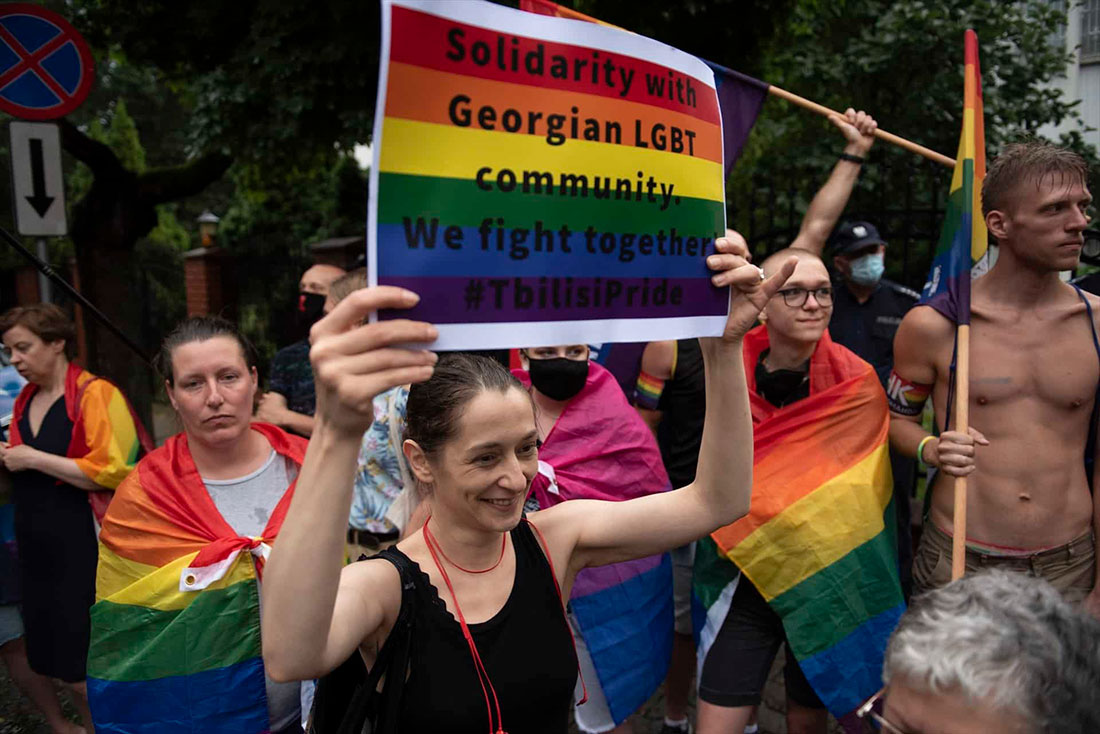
(314, 614)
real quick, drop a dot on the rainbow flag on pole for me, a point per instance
(962, 253)
(819, 540)
(176, 625)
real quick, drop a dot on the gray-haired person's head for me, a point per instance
(1006, 641)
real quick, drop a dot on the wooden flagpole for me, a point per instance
(880, 134)
(962, 423)
(547, 7)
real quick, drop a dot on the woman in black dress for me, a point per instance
(58, 459)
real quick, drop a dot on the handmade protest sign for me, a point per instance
(539, 180)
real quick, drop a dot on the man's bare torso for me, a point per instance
(1033, 380)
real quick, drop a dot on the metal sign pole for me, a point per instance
(44, 294)
(44, 267)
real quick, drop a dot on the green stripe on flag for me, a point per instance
(959, 201)
(132, 643)
(712, 571)
(461, 203)
(132, 456)
(825, 608)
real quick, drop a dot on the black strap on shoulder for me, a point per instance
(1090, 447)
(347, 700)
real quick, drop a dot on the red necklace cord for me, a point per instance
(557, 588)
(479, 667)
(503, 542)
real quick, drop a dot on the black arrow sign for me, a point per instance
(39, 200)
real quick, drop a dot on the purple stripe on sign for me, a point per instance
(509, 300)
(594, 580)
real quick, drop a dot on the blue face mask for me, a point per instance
(867, 270)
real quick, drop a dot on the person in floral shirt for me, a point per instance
(377, 518)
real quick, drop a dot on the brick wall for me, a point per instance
(207, 280)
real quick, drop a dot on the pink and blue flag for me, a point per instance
(600, 449)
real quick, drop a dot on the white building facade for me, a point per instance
(1082, 80)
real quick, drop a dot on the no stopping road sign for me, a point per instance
(46, 69)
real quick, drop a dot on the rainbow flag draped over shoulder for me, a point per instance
(740, 97)
(176, 624)
(108, 437)
(962, 251)
(601, 449)
(818, 542)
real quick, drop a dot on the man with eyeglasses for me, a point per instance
(867, 308)
(789, 360)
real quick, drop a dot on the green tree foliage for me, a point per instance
(286, 89)
(903, 63)
(274, 213)
(734, 33)
(268, 80)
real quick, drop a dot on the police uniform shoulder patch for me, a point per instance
(905, 291)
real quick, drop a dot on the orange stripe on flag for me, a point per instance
(135, 529)
(423, 94)
(780, 479)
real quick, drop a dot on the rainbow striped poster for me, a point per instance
(543, 181)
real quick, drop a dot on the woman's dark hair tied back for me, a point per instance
(435, 406)
(197, 329)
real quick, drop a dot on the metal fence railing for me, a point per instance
(903, 197)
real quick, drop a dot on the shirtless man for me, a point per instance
(1034, 373)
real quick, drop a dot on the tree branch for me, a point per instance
(92, 153)
(169, 184)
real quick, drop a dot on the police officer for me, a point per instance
(867, 308)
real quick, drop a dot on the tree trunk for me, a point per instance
(118, 210)
(107, 223)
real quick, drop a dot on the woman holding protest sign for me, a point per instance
(479, 578)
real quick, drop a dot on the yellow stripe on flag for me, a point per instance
(122, 581)
(819, 529)
(444, 151)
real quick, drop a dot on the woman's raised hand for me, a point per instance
(749, 290)
(354, 361)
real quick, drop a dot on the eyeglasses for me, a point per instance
(872, 720)
(796, 297)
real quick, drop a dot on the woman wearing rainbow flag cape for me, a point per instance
(73, 439)
(489, 644)
(176, 625)
(596, 446)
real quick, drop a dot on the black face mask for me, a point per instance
(780, 387)
(311, 307)
(558, 378)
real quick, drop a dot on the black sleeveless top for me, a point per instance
(526, 649)
(683, 406)
(57, 550)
